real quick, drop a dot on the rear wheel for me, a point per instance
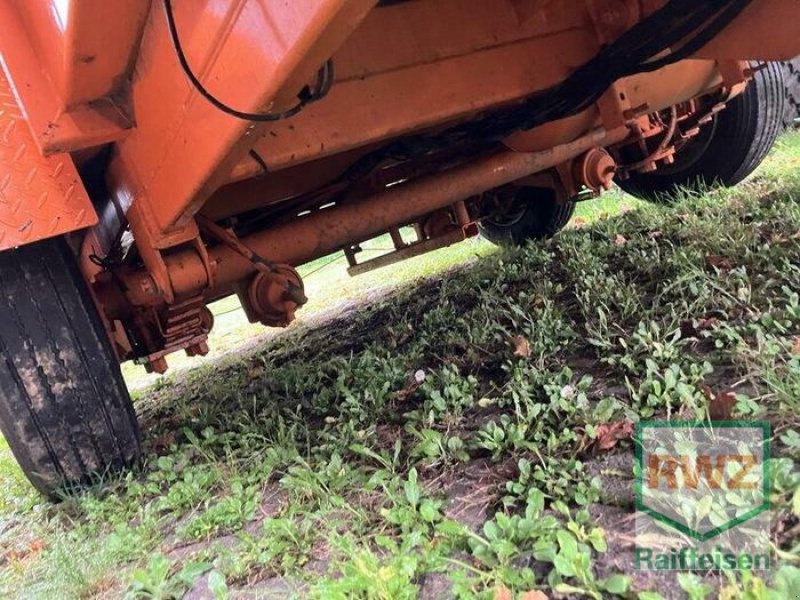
(64, 408)
(532, 214)
(791, 75)
(728, 149)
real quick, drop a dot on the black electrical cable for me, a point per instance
(325, 78)
(630, 54)
(261, 162)
(704, 37)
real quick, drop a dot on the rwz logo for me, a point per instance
(721, 471)
(702, 479)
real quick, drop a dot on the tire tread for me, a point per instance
(64, 409)
(791, 73)
(743, 135)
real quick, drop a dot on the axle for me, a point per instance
(328, 230)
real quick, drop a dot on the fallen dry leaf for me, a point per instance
(164, 441)
(796, 345)
(721, 263)
(609, 434)
(534, 596)
(707, 323)
(720, 406)
(255, 372)
(35, 547)
(579, 221)
(721, 409)
(522, 347)
(620, 240)
(695, 326)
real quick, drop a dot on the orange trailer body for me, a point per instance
(103, 131)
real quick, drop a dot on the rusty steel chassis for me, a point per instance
(218, 205)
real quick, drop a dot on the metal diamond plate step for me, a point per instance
(39, 197)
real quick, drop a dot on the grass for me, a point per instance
(434, 427)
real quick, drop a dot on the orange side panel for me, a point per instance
(766, 30)
(40, 197)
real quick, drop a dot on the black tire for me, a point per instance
(791, 76)
(64, 408)
(726, 150)
(533, 214)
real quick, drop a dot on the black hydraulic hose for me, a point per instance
(324, 81)
(632, 53)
